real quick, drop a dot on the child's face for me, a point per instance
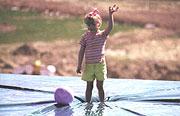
(93, 27)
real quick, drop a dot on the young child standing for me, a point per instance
(92, 45)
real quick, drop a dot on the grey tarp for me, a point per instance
(34, 95)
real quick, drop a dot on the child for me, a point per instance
(93, 47)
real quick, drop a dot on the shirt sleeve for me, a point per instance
(104, 34)
(83, 41)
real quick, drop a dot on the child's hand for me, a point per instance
(113, 9)
(78, 70)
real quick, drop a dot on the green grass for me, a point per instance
(31, 26)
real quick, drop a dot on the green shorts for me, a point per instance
(96, 71)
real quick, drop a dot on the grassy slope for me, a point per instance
(31, 26)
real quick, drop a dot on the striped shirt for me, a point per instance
(94, 44)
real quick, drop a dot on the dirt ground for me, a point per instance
(148, 53)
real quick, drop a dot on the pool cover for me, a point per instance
(27, 95)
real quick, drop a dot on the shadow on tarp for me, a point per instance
(34, 95)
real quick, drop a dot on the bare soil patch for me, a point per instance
(4, 28)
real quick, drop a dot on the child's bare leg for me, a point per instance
(89, 89)
(99, 85)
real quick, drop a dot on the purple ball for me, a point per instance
(63, 95)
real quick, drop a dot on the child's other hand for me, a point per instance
(113, 9)
(78, 70)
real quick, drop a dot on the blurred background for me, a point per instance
(42, 37)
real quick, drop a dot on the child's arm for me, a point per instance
(80, 59)
(111, 19)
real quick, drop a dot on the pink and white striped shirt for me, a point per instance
(94, 44)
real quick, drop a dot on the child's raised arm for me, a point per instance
(112, 9)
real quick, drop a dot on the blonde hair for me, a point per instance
(93, 17)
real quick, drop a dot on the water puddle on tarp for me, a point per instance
(34, 95)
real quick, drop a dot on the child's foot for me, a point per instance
(89, 106)
(102, 105)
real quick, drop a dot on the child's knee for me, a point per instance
(90, 86)
(99, 86)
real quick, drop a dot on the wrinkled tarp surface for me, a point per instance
(32, 95)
